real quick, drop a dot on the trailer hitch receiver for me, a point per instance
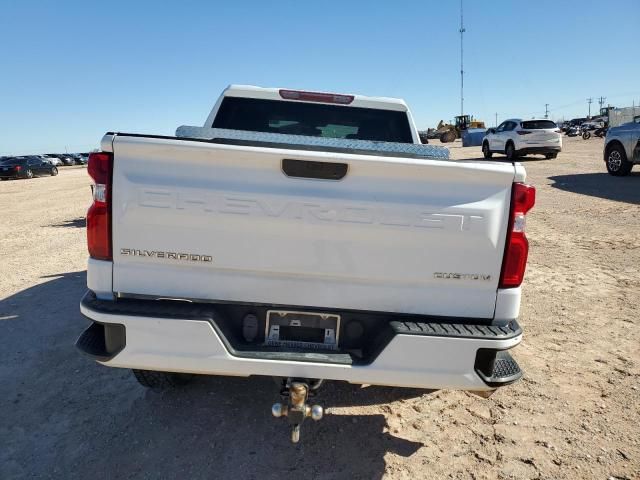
(296, 409)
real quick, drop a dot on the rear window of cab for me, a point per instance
(538, 124)
(313, 119)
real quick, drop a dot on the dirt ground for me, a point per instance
(575, 415)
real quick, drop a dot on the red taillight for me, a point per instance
(99, 214)
(99, 167)
(523, 132)
(18, 168)
(316, 97)
(514, 263)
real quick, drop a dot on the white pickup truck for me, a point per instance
(305, 236)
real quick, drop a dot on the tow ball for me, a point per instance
(296, 394)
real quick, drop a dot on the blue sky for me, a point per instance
(73, 70)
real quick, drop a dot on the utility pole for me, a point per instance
(496, 120)
(462, 30)
(546, 110)
(589, 101)
(601, 101)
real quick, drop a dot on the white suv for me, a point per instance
(516, 137)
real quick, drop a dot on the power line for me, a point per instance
(40, 149)
(561, 107)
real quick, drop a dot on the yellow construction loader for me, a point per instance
(448, 133)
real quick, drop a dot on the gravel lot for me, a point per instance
(575, 414)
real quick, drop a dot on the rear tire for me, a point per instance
(617, 163)
(549, 156)
(29, 173)
(486, 152)
(54, 171)
(160, 381)
(510, 151)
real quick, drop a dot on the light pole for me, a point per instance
(462, 30)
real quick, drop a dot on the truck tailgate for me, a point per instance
(206, 221)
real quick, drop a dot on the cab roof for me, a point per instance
(285, 94)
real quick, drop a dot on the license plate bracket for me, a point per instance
(315, 330)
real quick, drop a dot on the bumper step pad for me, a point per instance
(92, 342)
(95, 341)
(497, 368)
(102, 341)
(442, 329)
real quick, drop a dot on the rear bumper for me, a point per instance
(184, 337)
(539, 150)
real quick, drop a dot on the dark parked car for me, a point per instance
(26, 167)
(66, 158)
(79, 159)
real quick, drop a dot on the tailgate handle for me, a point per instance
(312, 169)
